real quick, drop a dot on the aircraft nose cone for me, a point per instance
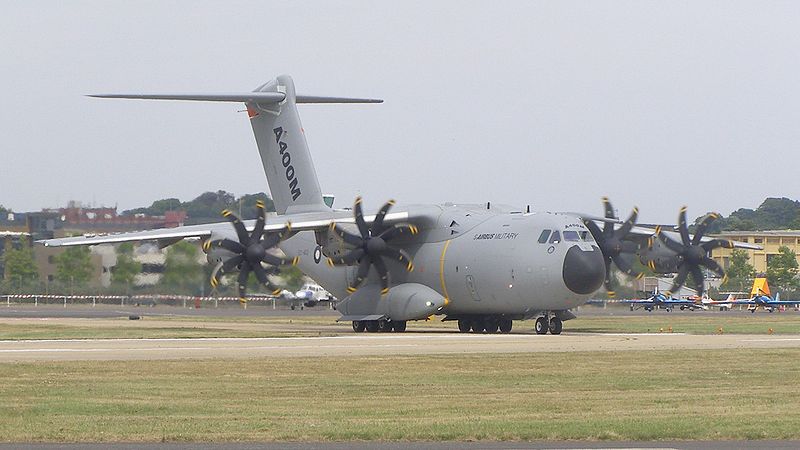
(584, 271)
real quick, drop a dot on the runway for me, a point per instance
(370, 345)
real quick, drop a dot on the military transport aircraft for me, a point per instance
(483, 265)
(661, 301)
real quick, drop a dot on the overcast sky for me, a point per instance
(552, 104)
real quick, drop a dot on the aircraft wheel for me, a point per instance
(478, 326)
(505, 325)
(556, 325)
(683, 307)
(464, 325)
(491, 326)
(541, 326)
(359, 326)
(668, 309)
(371, 325)
(399, 326)
(631, 307)
(384, 326)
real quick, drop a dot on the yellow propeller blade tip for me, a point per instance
(611, 293)
(384, 291)
(226, 212)
(358, 199)
(351, 289)
(276, 292)
(242, 300)
(259, 204)
(295, 260)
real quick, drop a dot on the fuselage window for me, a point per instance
(543, 237)
(571, 236)
(555, 238)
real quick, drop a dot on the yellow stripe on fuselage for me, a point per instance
(441, 272)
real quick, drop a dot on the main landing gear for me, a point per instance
(488, 325)
(552, 324)
(383, 326)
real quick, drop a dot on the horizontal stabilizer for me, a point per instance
(249, 97)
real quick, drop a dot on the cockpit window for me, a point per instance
(555, 238)
(543, 237)
(571, 236)
(586, 236)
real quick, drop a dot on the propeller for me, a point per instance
(250, 251)
(613, 244)
(371, 246)
(692, 254)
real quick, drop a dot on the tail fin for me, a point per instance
(284, 151)
(280, 138)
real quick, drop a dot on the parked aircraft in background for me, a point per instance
(311, 294)
(482, 265)
(665, 302)
(760, 298)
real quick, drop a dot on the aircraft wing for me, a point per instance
(168, 236)
(640, 234)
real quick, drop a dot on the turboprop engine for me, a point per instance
(407, 301)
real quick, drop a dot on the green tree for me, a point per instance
(782, 271)
(74, 266)
(20, 266)
(291, 278)
(126, 269)
(182, 271)
(740, 271)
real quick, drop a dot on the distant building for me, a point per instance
(769, 240)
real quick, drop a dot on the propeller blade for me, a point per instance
(607, 282)
(361, 275)
(398, 230)
(672, 245)
(714, 267)
(608, 227)
(278, 261)
(399, 255)
(599, 237)
(380, 267)
(683, 272)
(261, 275)
(628, 224)
(698, 278)
(701, 228)
(362, 225)
(349, 238)
(377, 224)
(716, 243)
(214, 279)
(229, 245)
(683, 227)
(626, 266)
(241, 232)
(255, 236)
(275, 238)
(347, 259)
(244, 274)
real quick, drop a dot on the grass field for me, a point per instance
(227, 326)
(730, 394)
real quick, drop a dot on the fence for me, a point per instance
(140, 300)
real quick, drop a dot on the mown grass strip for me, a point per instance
(714, 394)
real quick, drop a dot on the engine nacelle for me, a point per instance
(407, 301)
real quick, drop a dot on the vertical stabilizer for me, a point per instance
(284, 152)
